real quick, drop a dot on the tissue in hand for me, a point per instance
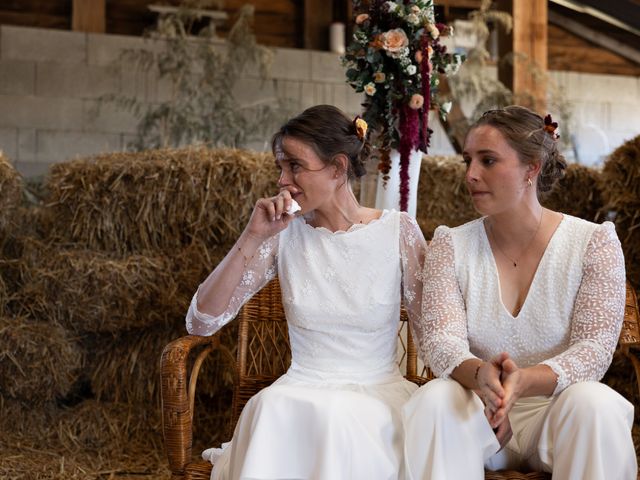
(293, 208)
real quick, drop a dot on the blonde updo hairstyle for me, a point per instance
(524, 130)
(329, 132)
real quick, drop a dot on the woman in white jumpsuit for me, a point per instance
(522, 309)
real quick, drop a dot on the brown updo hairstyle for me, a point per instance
(329, 132)
(524, 131)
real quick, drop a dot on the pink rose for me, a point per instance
(360, 19)
(395, 42)
(417, 101)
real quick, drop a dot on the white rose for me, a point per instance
(412, 19)
(370, 89)
(391, 6)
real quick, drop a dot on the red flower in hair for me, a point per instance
(550, 126)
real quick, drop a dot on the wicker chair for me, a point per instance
(264, 355)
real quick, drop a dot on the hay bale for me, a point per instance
(621, 193)
(577, 194)
(4, 294)
(102, 426)
(89, 291)
(621, 174)
(212, 420)
(10, 200)
(125, 366)
(442, 194)
(90, 440)
(10, 272)
(10, 195)
(160, 199)
(39, 361)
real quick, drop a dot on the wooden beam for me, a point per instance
(89, 16)
(470, 4)
(527, 47)
(318, 15)
(593, 36)
(572, 53)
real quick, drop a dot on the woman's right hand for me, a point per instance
(269, 216)
(503, 432)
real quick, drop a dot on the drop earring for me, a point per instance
(529, 182)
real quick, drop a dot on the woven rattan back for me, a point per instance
(263, 346)
(630, 334)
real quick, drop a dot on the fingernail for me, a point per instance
(273, 219)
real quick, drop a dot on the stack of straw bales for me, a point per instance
(620, 182)
(103, 284)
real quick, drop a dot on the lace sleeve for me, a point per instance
(412, 253)
(260, 270)
(441, 335)
(597, 315)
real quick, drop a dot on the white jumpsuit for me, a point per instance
(570, 321)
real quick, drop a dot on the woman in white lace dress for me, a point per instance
(522, 309)
(343, 270)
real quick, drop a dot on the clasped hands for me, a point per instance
(500, 384)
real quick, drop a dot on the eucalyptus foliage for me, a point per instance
(203, 74)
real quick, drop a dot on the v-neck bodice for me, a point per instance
(542, 314)
(487, 247)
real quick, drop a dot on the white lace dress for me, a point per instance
(335, 414)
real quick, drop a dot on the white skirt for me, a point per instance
(298, 429)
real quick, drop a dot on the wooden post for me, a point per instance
(318, 15)
(526, 74)
(89, 16)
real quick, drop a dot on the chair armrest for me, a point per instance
(176, 405)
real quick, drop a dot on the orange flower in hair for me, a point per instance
(361, 127)
(550, 126)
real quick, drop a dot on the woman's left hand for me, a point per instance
(513, 383)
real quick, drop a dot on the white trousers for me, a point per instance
(582, 434)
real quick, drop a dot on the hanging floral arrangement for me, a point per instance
(395, 58)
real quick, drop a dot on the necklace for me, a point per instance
(524, 250)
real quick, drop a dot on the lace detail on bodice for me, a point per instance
(571, 317)
(341, 293)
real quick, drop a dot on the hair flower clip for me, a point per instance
(550, 126)
(361, 127)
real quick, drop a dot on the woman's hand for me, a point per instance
(490, 387)
(269, 216)
(503, 432)
(513, 381)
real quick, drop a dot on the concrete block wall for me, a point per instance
(51, 80)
